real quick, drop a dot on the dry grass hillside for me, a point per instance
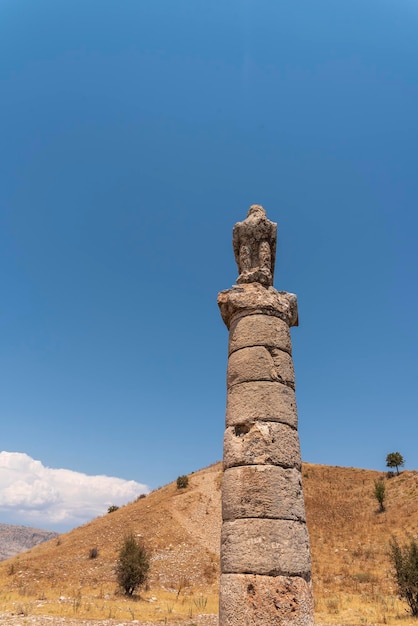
(349, 539)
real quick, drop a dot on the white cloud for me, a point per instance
(35, 495)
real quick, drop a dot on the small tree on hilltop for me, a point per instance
(405, 561)
(395, 459)
(380, 493)
(132, 566)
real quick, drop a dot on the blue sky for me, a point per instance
(134, 135)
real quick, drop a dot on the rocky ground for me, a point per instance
(8, 619)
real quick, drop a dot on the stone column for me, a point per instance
(265, 557)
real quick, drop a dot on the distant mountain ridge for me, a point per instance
(16, 539)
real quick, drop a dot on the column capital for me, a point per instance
(253, 299)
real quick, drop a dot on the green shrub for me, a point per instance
(133, 565)
(112, 508)
(405, 561)
(182, 482)
(11, 569)
(380, 493)
(93, 553)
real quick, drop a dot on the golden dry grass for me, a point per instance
(351, 570)
(349, 541)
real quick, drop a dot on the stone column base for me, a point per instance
(253, 600)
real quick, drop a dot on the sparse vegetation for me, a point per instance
(133, 565)
(182, 584)
(93, 553)
(380, 493)
(112, 508)
(182, 482)
(405, 561)
(395, 459)
(349, 543)
(200, 602)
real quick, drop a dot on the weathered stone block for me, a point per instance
(260, 330)
(267, 401)
(251, 364)
(271, 547)
(255, 299)
(264, 491)
(250, 600)
(283, 367)
(262, 443)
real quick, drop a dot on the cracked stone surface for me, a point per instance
(261, 400)
(271, 547)
(259, 330)
(254, 299)
(257, 443)
(259, 363)
(251, 600)
(264, 491)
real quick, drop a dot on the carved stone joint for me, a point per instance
(253, 298)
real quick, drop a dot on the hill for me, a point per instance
(16, 539)
(349, 541)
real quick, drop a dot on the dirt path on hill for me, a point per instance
(200, 508)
